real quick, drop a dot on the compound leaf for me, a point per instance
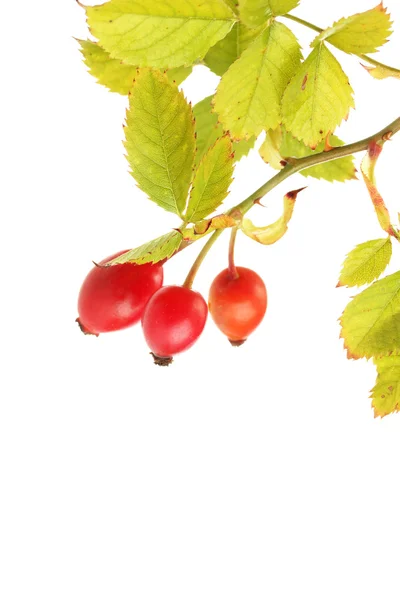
(366, 262)
(317, 99)
(113, 73)
(211, 181)
(362, 33)
(371, 321)
(257, 12)
(386, 393)
(160, 140)
(154, 251)
(248, 98)
(160, 33)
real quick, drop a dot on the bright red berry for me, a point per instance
(173, 320)
(237, 304)
(112, 298)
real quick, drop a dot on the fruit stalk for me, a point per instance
(188, 283)
(232, 267)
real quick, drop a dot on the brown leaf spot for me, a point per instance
(303, 85)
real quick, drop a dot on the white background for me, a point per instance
(235, 474)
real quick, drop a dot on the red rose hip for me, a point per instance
(237, 303)
(113, 298)
(173, 320)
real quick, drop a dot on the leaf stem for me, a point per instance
(231, 257)
(291, 168)
(365, 57)
(303, 22)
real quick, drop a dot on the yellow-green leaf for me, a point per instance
(275, 231)
(233, 5)
(208, 225)
(249, 95)
(371, 321)
(341, 169)
(211, 181)
(270, 149)
(317, 99)
(382, 71)
(279, 145)
(113, 73)
(220, 57)
(366, 262)
(362, 33)
(386, 393)
(157, 33)
(368, 165)
(208, 130)
(160, 140)
(257, 12)
(154, 251)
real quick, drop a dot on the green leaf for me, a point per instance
(279, 145)
(232, 5)
(366, 262)
(248, 98)
(317, 98)
(220, 57)
(382, 71)
(341, 169)
(211, 181)
(371, 321)
(386, 393)
(160, 140)
(243, 147)
(275, 231)
(159, 34)
(208, 130)
(362, 33)
(257, 12)
(159, 249)
(113, 73)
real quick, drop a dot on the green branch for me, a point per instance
(291, 168)
(365, 57)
